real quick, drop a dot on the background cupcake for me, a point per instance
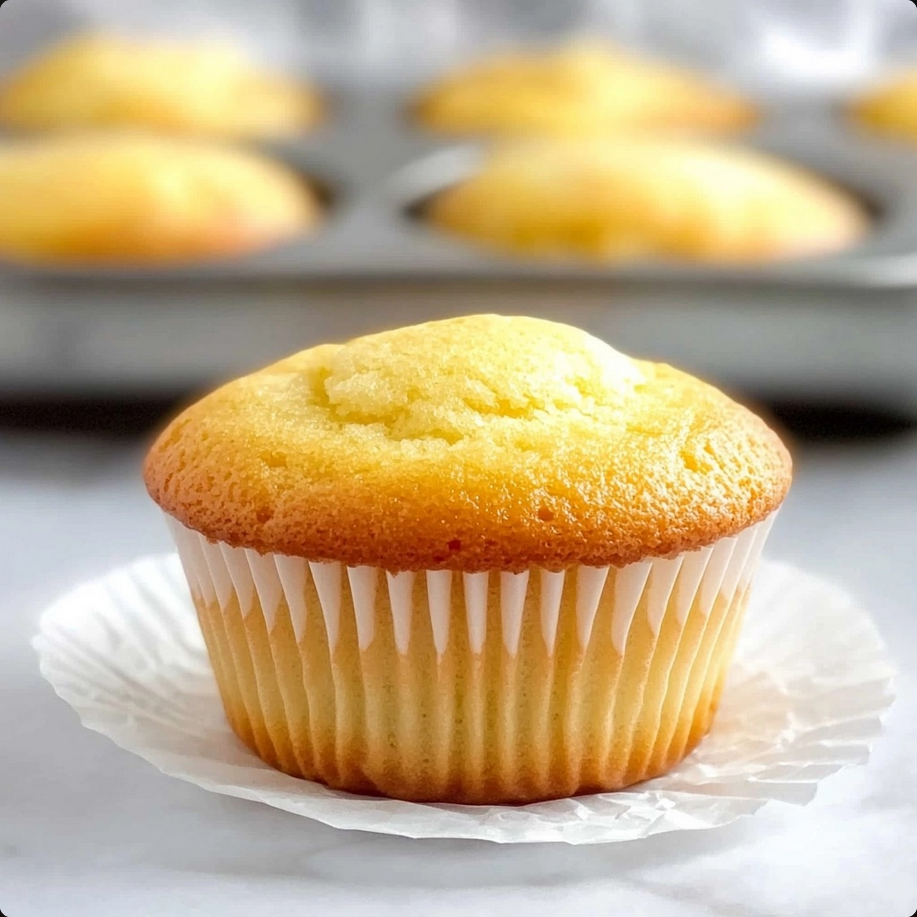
(203, 88)
(580, 89)
(135, 198)
(890, 108)
(481, 560)
(641, 197)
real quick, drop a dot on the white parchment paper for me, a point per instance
(805, 698)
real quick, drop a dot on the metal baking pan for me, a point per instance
(376, 168)
(843, 323)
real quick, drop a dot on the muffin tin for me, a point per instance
(375, 261)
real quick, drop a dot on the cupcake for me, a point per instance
(135, 198)
(633, 197)
(891, 108)
(482, 560)
(202, 88)
(581, 89)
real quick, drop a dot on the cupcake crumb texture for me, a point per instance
(475, 378)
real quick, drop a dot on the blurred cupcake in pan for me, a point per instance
(582, 89)
(483, 560)
(628, 198)
(132, 198)
(182, 87)
(891, 108)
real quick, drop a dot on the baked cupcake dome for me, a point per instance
(582, 89)
(890, 108)
(135, 198)
(202, 88)
(639, 197)
(470, 444)
(481, 560)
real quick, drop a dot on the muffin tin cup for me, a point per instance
(470, 688)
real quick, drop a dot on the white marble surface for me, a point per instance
(87, 829)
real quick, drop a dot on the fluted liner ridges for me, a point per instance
(486, 687)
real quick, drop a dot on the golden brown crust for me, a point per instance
(468, 444)
(201, 88)
(638, 197)
(577, 90)
(135, 198)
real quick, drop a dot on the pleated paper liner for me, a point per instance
(475, 688)
(805, 697)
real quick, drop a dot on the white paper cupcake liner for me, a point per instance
(537, 684)
(219, 573)
(805, 698)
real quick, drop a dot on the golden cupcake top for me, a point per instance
(890, 108)
(580, 89)
(471, 444)
(186, 87)
(136, 198)
(636, 197)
